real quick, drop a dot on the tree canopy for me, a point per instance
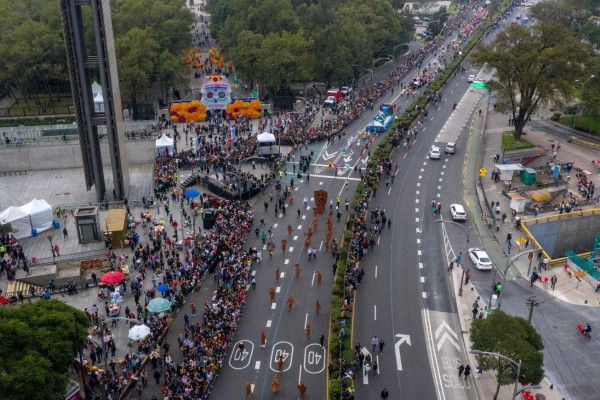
(533, 66)
(37, 348)
(33, 53)
(336, 35)
(513, 337)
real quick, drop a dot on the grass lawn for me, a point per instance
(509, 143)
(585, 123)
(23, 108)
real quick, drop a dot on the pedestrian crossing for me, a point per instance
(288, 168)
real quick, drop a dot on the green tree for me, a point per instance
(137, 54)
(533, 66)
(284, 59)
(246, 55)
(514, 338)
(37, 348)
(172, 72)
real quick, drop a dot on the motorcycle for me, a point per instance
(582, 330)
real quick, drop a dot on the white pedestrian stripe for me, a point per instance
(304, 217)
(420, 177)
(291, 249)
(417, 201)
(417, 192)
(418, 184)
(269, 323)
(417, 220)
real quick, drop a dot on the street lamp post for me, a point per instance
(509, 262)
(51, 246)
(467, 231)
(581, 86)
(516, 365)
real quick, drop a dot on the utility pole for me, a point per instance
(531, 303)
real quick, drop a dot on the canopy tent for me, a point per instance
(266, 137)
(37, 214)
(99, 102)
(164, 144)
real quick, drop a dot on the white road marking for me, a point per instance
(286, 262)
(280, 215)
(269, 323)
(300, 374)
(375, 312)
(416, 210)
(313, 280)
(273, 306)
(321, 245)
(422, 279)
(417, 220)
(420, 177)
(442, 173)
(376, 272)
(418, 184)
(419, 253)
(282, 275)
(304, 217)
(275, 225)
(418, 241)
(305, 320)
(378, 366)
(278, 289)
(424, 295)
(291, 249)
(257, 365)
(420, 265)
(296, 237)
(440, 179)
(417, 192)
(418, 230)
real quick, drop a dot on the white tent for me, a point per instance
(164, 144)
(96, 88)
(99, 102)
(266, 137)
(19, 221)
(35, 214)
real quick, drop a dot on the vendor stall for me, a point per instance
(115, 227)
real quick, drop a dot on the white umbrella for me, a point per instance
(139, 332)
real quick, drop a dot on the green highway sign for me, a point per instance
(478, 84)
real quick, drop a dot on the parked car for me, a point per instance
(471, 78)
(480, 258)
(450, 148)
(458, 212)
(435, 153)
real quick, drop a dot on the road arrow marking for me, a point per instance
(449, 335)
(328, 156)
(403, 339)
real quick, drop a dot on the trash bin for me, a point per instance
(56, 224)
(33, 232)
(528, 176)
(208, 220)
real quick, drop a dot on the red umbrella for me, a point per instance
(112, 277)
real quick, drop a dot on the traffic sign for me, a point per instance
(482, 171)
(530, 256)
(284, 350)
(478, 84)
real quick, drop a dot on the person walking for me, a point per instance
(384, 394)
(290, 230)
(280, 363)
(263, 339)
(322, 340)
(381, 345)
(317, 307)
(65, 233)
(248, 390)
(461, 369)
(307, 331)
(297, 270)
(275, 385)
(277, 274)
(467, 371)
(283, 245)
(374, 344)
(302, 389)
(291, 300)
(157, 376)
(553, 281)
(272, 295)
(319, 276)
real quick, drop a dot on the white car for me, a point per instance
(458, 212)
(480, 258)
(471, 78)
(330, 102)
(435, 153)
(450, 148)
(346, 90)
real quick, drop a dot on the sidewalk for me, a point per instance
(574, 292)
